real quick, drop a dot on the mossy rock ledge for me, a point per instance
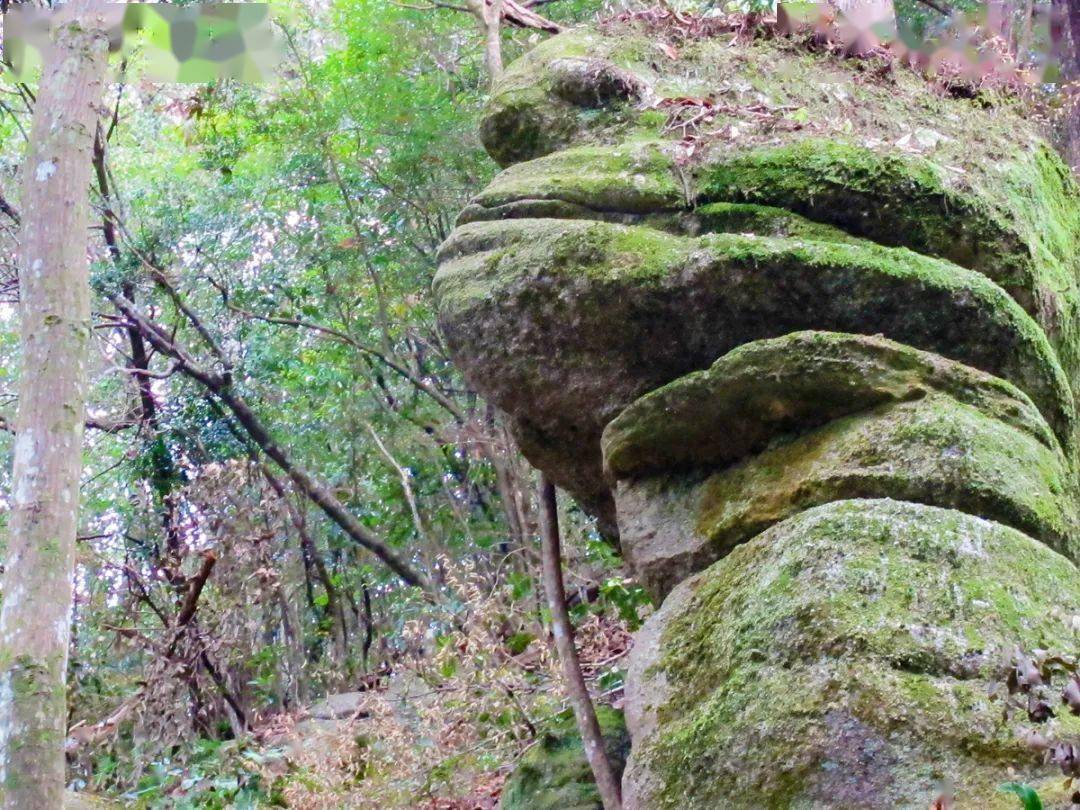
(776, 426)
(818, 374)
(606, 261)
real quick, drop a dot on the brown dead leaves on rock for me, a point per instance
(1036, 682)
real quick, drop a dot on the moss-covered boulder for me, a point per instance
(777, 426)
(844, 659)
(588, 272)
(806, 331)
(565, 323)
(788, 385)
(554, 774)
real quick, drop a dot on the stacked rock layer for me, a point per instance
(804, 333)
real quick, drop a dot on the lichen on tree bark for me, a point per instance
(55, 328)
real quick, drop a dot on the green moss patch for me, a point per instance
(787, 385)
(636, 178)
(934, 451)
(555, 775)
(1020, 231)
(845, 657)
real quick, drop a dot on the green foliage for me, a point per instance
(298, 223)
(628, 598)
(1029, 799)
(554, 775)
(219, 775)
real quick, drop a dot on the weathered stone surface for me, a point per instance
(843, 659)
(790, 384)
(933, 451)
(887, 158)
(563, 324)
(777, 426)
(904, 200)
(888, 161)
(341, 706)
(554, 774)
(648, 301)
(551, 96)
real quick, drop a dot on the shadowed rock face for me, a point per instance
(818, 367)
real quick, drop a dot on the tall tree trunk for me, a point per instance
(55, 307)
(489, 13)
(1072, 124)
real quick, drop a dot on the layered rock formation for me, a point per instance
(803, 332)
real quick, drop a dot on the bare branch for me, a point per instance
(938, 7)
(446, 403)
(221, 387)
(195, 588)
(7, 210)
(403, 476)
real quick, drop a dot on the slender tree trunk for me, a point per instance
(313, 559)
(1072, 125)
(493, 38)
(878, 9)
(55, 307)
(591, 737)
(489, 13)
(868, 23)
(1023, 39)
(1073, 10)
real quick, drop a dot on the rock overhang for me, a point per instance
(818, 359)
(564, 323)
(604, 214)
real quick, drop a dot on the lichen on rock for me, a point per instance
(815, 360)
(843, 659)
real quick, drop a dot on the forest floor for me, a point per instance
(442, 732)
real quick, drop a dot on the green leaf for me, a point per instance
(519, 641)
(521, 585)
(448, 667)
(1029, 799)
